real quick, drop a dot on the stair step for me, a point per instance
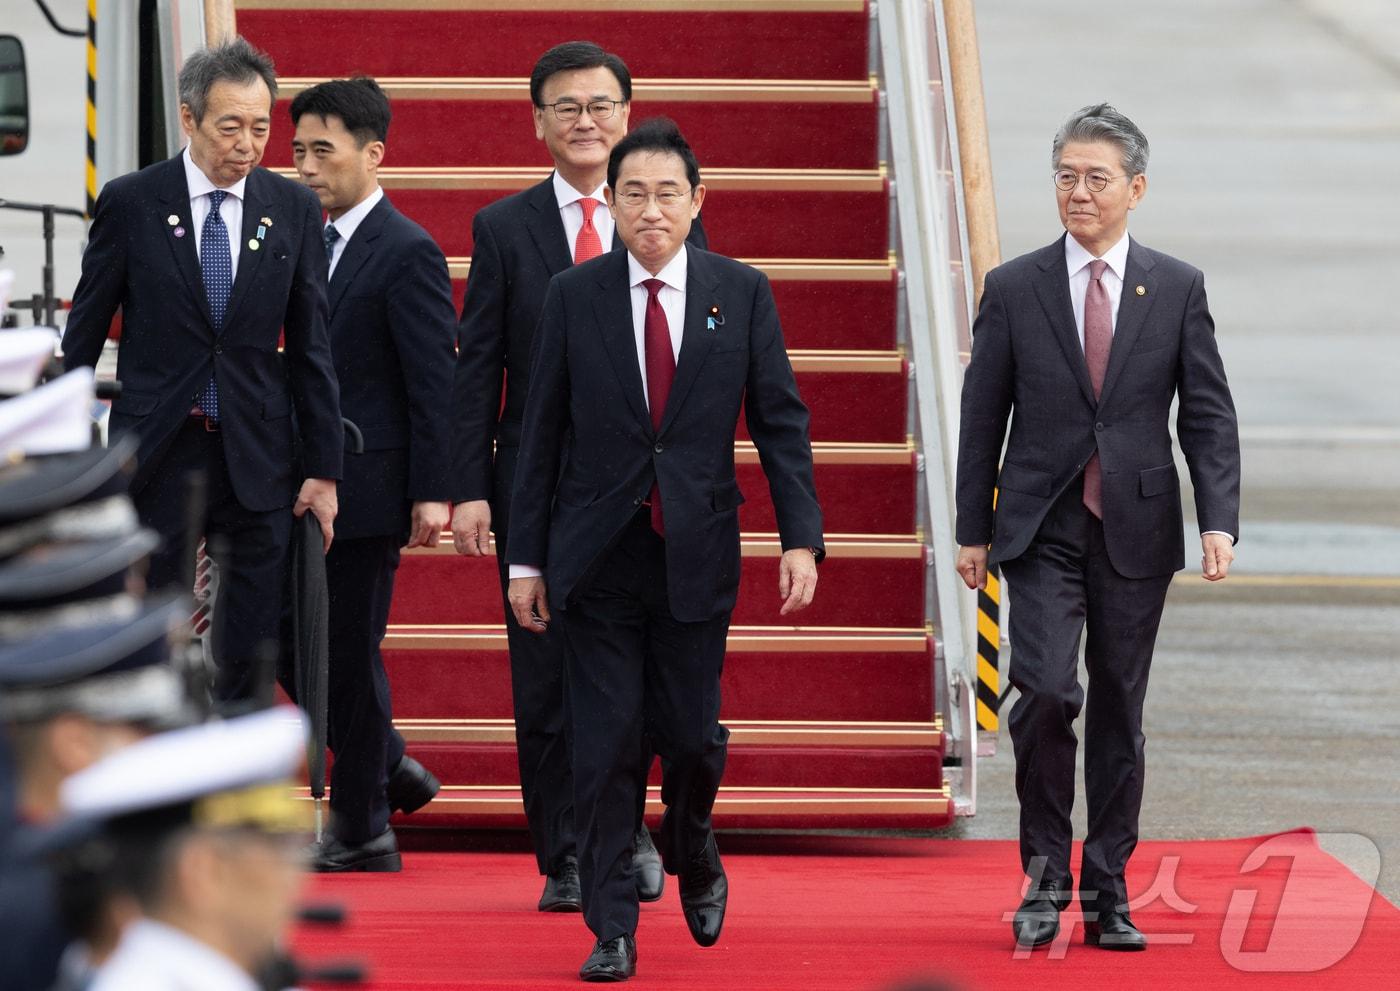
(745, 765)
(686, 90)
(744, 732)
(773, 134)
(770, 673)
(440, 37)
(737, 807)
(863, 577)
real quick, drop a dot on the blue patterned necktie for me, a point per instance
(331, 235)
(216, 262)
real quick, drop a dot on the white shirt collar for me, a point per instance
(200, 184)
(564, 194)
(1077, 256)
(351, 219)
(673, 274)
(153, 948)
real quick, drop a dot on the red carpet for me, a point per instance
(856, 914)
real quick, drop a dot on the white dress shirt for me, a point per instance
(155, 957)
(672, 299)
(200, 186)
(1077, 260)
(571, 213)
(349, 222)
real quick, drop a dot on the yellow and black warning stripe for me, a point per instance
(91, 174)
(988, 651)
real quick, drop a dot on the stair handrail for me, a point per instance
(930, 214)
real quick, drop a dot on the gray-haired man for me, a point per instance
(209, 258)
(1083, 345)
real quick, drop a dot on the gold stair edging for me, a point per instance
(759, 544)
(746, 639)
(513, 178)
(691, 90)
(614, 6)
(741, 732)
(779, 269)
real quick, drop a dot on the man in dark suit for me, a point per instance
(1084, 345)
(393, 329)
(209, 259)
(625, 498)
(582, 97)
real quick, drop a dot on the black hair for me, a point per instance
(577, 55)
(359, 103)
(660, 135)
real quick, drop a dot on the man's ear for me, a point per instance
(1137, 190)
(538, 115)
(375, 150)
(696, 200)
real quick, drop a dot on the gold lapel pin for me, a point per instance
(267, 221)
(1142, 290)
(173, 220)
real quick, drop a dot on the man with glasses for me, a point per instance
(1083, 345)
(582, 97)
(625, 520)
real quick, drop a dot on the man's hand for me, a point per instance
(428, 521)
(318, 495)
(1217, 551)
(972, 565)
(797, 579)
(530, 603)
(471, 528)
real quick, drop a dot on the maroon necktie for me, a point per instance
(588, 244)
(1098, 338)
(661, 369)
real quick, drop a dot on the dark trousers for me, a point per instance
(360, 728)
(634, 672)
(1063, 587)
(250, 549)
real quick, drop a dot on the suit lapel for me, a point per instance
(1132, 312)
(255, 206)
(358, 250)
(1052, 288)
(175, 195)
(701, 293)
(547, 229)
(613, 308)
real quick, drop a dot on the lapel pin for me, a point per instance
(179, 232)
(715, 319)
(173, 220)
(1142, 290)
(253, 244)
(262, 232)
(266, 221)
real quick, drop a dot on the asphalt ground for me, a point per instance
(1275, 130)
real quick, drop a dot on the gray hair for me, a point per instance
(235, 61)
(1102, 122)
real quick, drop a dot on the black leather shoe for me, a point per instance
(380, 855)
(704, 894)
(646, 868)
(1114, 931)
(614, 960)
(561, 889)
(1037, 920)
(411, 786)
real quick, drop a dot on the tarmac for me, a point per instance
(1275, 131)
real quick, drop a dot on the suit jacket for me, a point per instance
(393, 330)
(1028, 365)
(518, 246)
(169, 346)
(586, 393)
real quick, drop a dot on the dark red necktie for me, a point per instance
(1098, 339)
(661, 370)
(588, 244)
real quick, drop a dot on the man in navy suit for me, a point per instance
(625, 519)
(393, 329)
(209, 259)
(1084, 345)
(582, 98)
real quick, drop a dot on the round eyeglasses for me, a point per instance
(568, 110)
(1095, 182)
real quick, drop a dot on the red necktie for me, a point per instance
(661, 370)
(588, 244)
(1098, 338)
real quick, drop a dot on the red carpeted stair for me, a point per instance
(834, 722)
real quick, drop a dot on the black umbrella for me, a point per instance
(310, 647)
